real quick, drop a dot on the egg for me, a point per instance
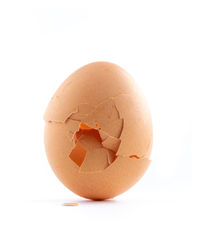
(98, 131)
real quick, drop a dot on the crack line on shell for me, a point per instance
(109, 98)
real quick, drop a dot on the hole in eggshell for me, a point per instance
(88, 139)
(78, 154)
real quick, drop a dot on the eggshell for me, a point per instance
(98, 132)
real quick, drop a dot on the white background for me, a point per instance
(41, 43)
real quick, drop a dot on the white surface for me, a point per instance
(41, 43)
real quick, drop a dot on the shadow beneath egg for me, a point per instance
(80, 202)
(97, 202)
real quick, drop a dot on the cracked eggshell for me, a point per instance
(105, 97)
(91, 84)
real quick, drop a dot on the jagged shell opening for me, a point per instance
(88, 142)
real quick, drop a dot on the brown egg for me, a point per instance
(98, 133)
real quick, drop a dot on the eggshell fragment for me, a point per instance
(70, 204)
(98, 133)
(111, 143)
(91, 164)
(111, 156)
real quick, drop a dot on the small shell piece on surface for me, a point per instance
(70, 204)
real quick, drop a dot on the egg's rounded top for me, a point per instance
(91, 84)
